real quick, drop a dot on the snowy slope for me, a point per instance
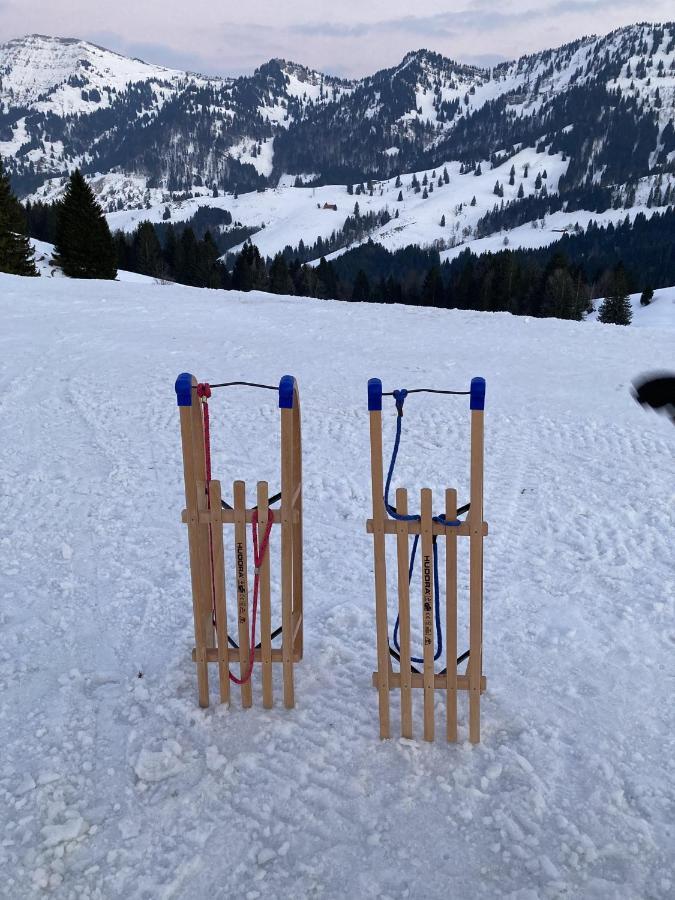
(114, 785)
(47, 269)
(286, 214)
(659, 314)
(48, 74)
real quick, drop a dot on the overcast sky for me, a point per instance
(349, 37)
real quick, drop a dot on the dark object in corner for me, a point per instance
(657, 391)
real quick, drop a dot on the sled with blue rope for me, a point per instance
(426, 531)
(207, 515)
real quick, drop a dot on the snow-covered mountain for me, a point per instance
(67, 103)
(532, 148)
(606, 102)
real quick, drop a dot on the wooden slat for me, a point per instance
(226, 516)
(476, 576)
(451, 615)
(427, 566)
(417, 681)
(298, 540)
(212, 655)
(404, 614)
(241, 574)
(220, 599)
(464, 530)
(265, 601)
(380, 565)
(204, 551)
(287, 557)
(190, 476)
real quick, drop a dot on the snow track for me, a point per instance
(114, 785)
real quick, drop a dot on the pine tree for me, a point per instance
(84, 246)
(280, 278)
(473, 201)
(397, 183)
(446, 177)
(615, 309)
(361, 287)
(521, 192)
(400, 197)
(647, 296)
(432, 288)
(16, 253)
(147, 251)
(443, 221)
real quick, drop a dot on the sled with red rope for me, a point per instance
(209, 518)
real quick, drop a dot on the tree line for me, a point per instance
(559, 281)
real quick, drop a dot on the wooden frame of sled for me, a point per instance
(207, 519)
(475, 529)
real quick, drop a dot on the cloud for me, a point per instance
(151, 52)
(479, 15)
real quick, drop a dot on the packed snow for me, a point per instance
(114, 783)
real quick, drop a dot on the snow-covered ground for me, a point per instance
(113, 785)
(287, 214)
(44, 263)
(660, 313)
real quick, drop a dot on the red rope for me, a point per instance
(258, 557)
(259, 551)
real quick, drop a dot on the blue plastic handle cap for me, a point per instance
(286, 392)
(374, 394)
(477, 393)
(184, 389)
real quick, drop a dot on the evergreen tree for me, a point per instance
(280, 278)
(147, 251)
(16, 253)
(443, 221)
(647, 296)
(432, 288)
(249, 272)
(399, 199)
(521, 192)
(326, 273)
(84, 246)
(560, 295)
(615, 309)
(361, 287)
(207, 268)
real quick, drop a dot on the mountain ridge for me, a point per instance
(108, 113)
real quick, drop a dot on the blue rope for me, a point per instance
(399, 398)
